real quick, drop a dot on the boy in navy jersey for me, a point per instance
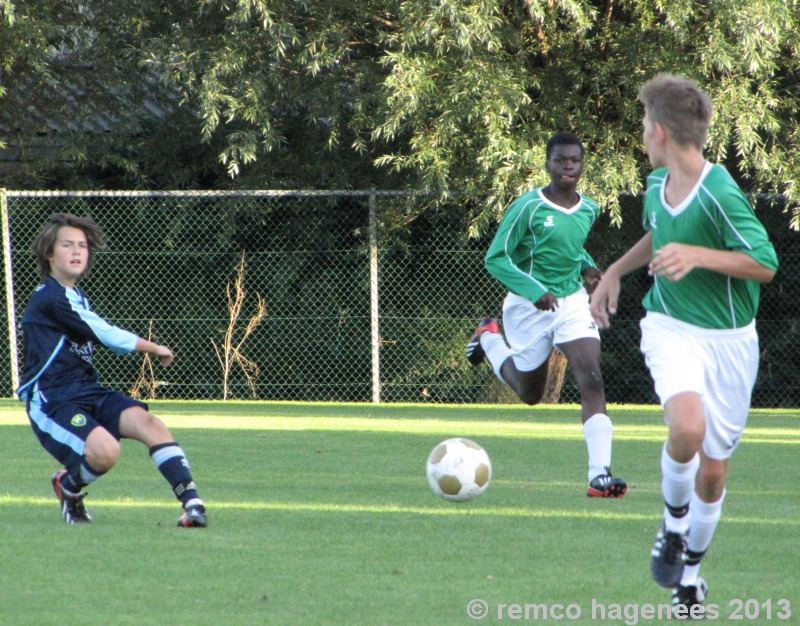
(78, 421)
(707, 253)
(538, 253)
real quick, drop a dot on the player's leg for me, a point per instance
(684, 414)
(70, 434)
(677, 367)
(705, 508)
(583, 357)
(528, 385)
(523, 363)
(135, 422)
(576, 335)
(726, 404)
(487, 342)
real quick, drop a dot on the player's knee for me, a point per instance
(101, 450)
(688, 431)
(154, 427)
(143, 426)
(711, 480)
(589, 379)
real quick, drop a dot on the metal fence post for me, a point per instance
(9, 276)
(373, 304)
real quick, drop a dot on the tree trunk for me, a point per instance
(557, 366)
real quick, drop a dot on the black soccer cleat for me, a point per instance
(475, 353)
(689, 601)
(72, 508)
(193, 517)
(606, 486)
(667, 557)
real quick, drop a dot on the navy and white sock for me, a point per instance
(171, 461)
(73, 482)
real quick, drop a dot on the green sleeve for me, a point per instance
(587, 262)
(743, 231)
(511, 243)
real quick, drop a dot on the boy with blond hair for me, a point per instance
(707, 253)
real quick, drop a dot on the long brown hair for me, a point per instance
(46, 239)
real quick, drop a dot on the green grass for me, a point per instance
(321, 514)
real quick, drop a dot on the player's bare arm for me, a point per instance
(603, 302)
(163, 353)
(675, 260)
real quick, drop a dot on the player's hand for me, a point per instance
(603, 301)
(591, 276)
(548, 302)
(673, 261)
(165, 356)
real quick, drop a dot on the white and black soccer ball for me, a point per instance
(459, 469)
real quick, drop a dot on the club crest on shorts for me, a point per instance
(78, 420)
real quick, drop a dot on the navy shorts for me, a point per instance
(62, 421)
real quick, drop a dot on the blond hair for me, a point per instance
(679, 104)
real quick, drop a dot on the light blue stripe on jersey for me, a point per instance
(47, 425)
(21, 391)
(116, 339)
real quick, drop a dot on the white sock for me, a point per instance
(597, 431)
(88, 475)
(677, 485)
(704, 519)
(690, 574)
(496, 350)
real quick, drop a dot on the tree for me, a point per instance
(77, 109)
(456, 97)
(476, 87)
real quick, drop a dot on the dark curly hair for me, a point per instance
(562, 138)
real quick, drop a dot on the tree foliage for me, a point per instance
(457, 97)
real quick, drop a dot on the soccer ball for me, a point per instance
(459, 469)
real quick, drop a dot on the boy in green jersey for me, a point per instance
(538, 254)
(708, 254)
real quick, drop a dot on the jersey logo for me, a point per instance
(653, 223)
(82, 350)
(78, 420)
(549, 223)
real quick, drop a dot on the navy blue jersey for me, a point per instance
(58, 330)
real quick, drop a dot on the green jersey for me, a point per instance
(539, 246)
(715, 215)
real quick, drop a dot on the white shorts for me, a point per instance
(531, 333)
(720, 365)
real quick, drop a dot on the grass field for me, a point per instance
(321, 514)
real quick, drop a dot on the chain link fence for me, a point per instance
(331, 296)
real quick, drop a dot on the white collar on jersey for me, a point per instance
(558, 207)
(673, 211)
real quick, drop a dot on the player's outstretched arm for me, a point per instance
(164, 354)
(603, 302)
